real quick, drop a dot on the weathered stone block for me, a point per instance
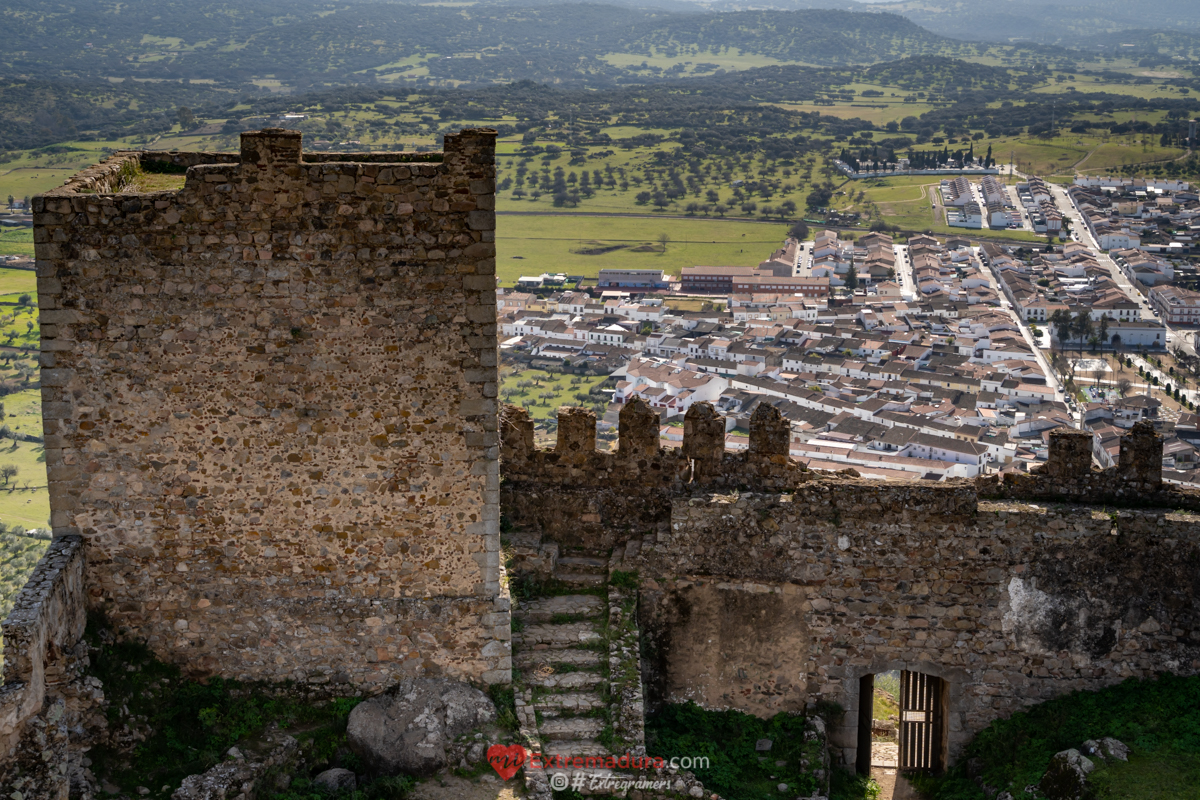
(1140, 461)
(637, 435)
(703, 435)
(576, 431)
(1070, 453)
(770, 433)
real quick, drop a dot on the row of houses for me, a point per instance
(1041, 207)
(873, 258)
(1071, 279)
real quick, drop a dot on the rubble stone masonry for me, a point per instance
(270, 408)
(768, 588)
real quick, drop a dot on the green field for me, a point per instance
(25, 501)
(26, 182)
(23, 413)
(731, 59)
(1106, 157)
(542, 392)
(536, 244)
(906, 202)
(1070, 153)
(866, 108)
(16, 242)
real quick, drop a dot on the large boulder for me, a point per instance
(336, 780)
(407, 729)
(1066, 779)
(1105, 749)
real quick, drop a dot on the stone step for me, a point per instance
(582, 578)
(590, 564)
(569, 634)
(571, 729)
(544, 609)
(573, 702)
(577, 747)
(576, 658)
(531, 555)
(565, 680)
(531, 539)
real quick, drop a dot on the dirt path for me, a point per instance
(883, 767)
(892, 785)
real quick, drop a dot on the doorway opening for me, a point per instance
(900, 728)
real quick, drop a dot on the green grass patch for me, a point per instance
(505, 699)
(24, 499)
(18, 281)
(1113, 155)
(19, 554)
(27, 181)
(1158, 719)
(527, 587)
(1161, 776)
(190, 725)
(151, 180)
(736, 770)
(623, 579)
(22, 411)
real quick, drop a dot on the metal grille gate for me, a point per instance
(920, 722)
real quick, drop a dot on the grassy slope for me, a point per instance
(1158, 719)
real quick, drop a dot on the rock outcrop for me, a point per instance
(1066, 779)
(407, 730)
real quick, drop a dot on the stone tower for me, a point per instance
(270, 407)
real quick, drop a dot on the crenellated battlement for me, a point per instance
(1068, 474)
(641, 461)
(590, 499)
(588, 492)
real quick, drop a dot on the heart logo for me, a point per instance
(506, 759)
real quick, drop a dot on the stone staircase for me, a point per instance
(573, 653)
(561, 653)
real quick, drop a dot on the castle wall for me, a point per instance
(766, 587)
(771, 602)
(269, 402)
